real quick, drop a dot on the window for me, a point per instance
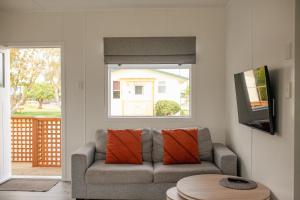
(162, 87)
(140, 90)
(116, 90)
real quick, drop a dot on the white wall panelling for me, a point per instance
(81, 33)
(258, 32)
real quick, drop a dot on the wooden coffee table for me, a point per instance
(206, 187)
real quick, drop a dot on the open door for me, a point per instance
(5, 150)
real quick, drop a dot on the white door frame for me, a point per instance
(5, 138)
(63, 91)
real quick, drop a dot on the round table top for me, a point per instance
(172, 194)
(204, 187)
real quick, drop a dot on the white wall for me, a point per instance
(81, 36)
(258, 32)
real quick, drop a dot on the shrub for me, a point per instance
(166, 108)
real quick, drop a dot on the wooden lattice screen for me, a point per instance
(48, 142)
(21, 137)
(37, 140)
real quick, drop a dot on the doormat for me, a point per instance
(29, 185)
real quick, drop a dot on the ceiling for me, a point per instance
(89, 5)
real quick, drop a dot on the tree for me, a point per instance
(259, 74)
(187, 91)
(53, 73)
(27, 67)
(166, 108)
(260, 79)
(41, 92)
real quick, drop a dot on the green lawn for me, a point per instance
(33, 111)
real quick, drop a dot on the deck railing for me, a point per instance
(36, 140)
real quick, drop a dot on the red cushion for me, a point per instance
(124, 147)
(181, 146)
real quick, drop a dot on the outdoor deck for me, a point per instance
(26, 169)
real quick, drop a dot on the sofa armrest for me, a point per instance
(81, 160)
(225, 159)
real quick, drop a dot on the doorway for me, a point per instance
(36, 114)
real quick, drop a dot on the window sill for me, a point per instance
(145, 118)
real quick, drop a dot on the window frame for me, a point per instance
(119, 90)
(108, 87)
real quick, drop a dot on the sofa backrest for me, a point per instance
(204, 142)
(101, 141)
(152, 145)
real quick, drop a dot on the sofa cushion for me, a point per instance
(204, 142)
(173, 173)
(101, 173)
(181, 146)
(124, 147)
(101, 141)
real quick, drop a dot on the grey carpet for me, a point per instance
(30, 185)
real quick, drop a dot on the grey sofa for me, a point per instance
(93, 179)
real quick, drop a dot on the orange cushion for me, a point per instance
(124, 147)
(181, 146)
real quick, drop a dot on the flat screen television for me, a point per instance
(255, 101)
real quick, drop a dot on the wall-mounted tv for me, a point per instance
(255, 102)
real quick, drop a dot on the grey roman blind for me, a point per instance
(150, 50)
